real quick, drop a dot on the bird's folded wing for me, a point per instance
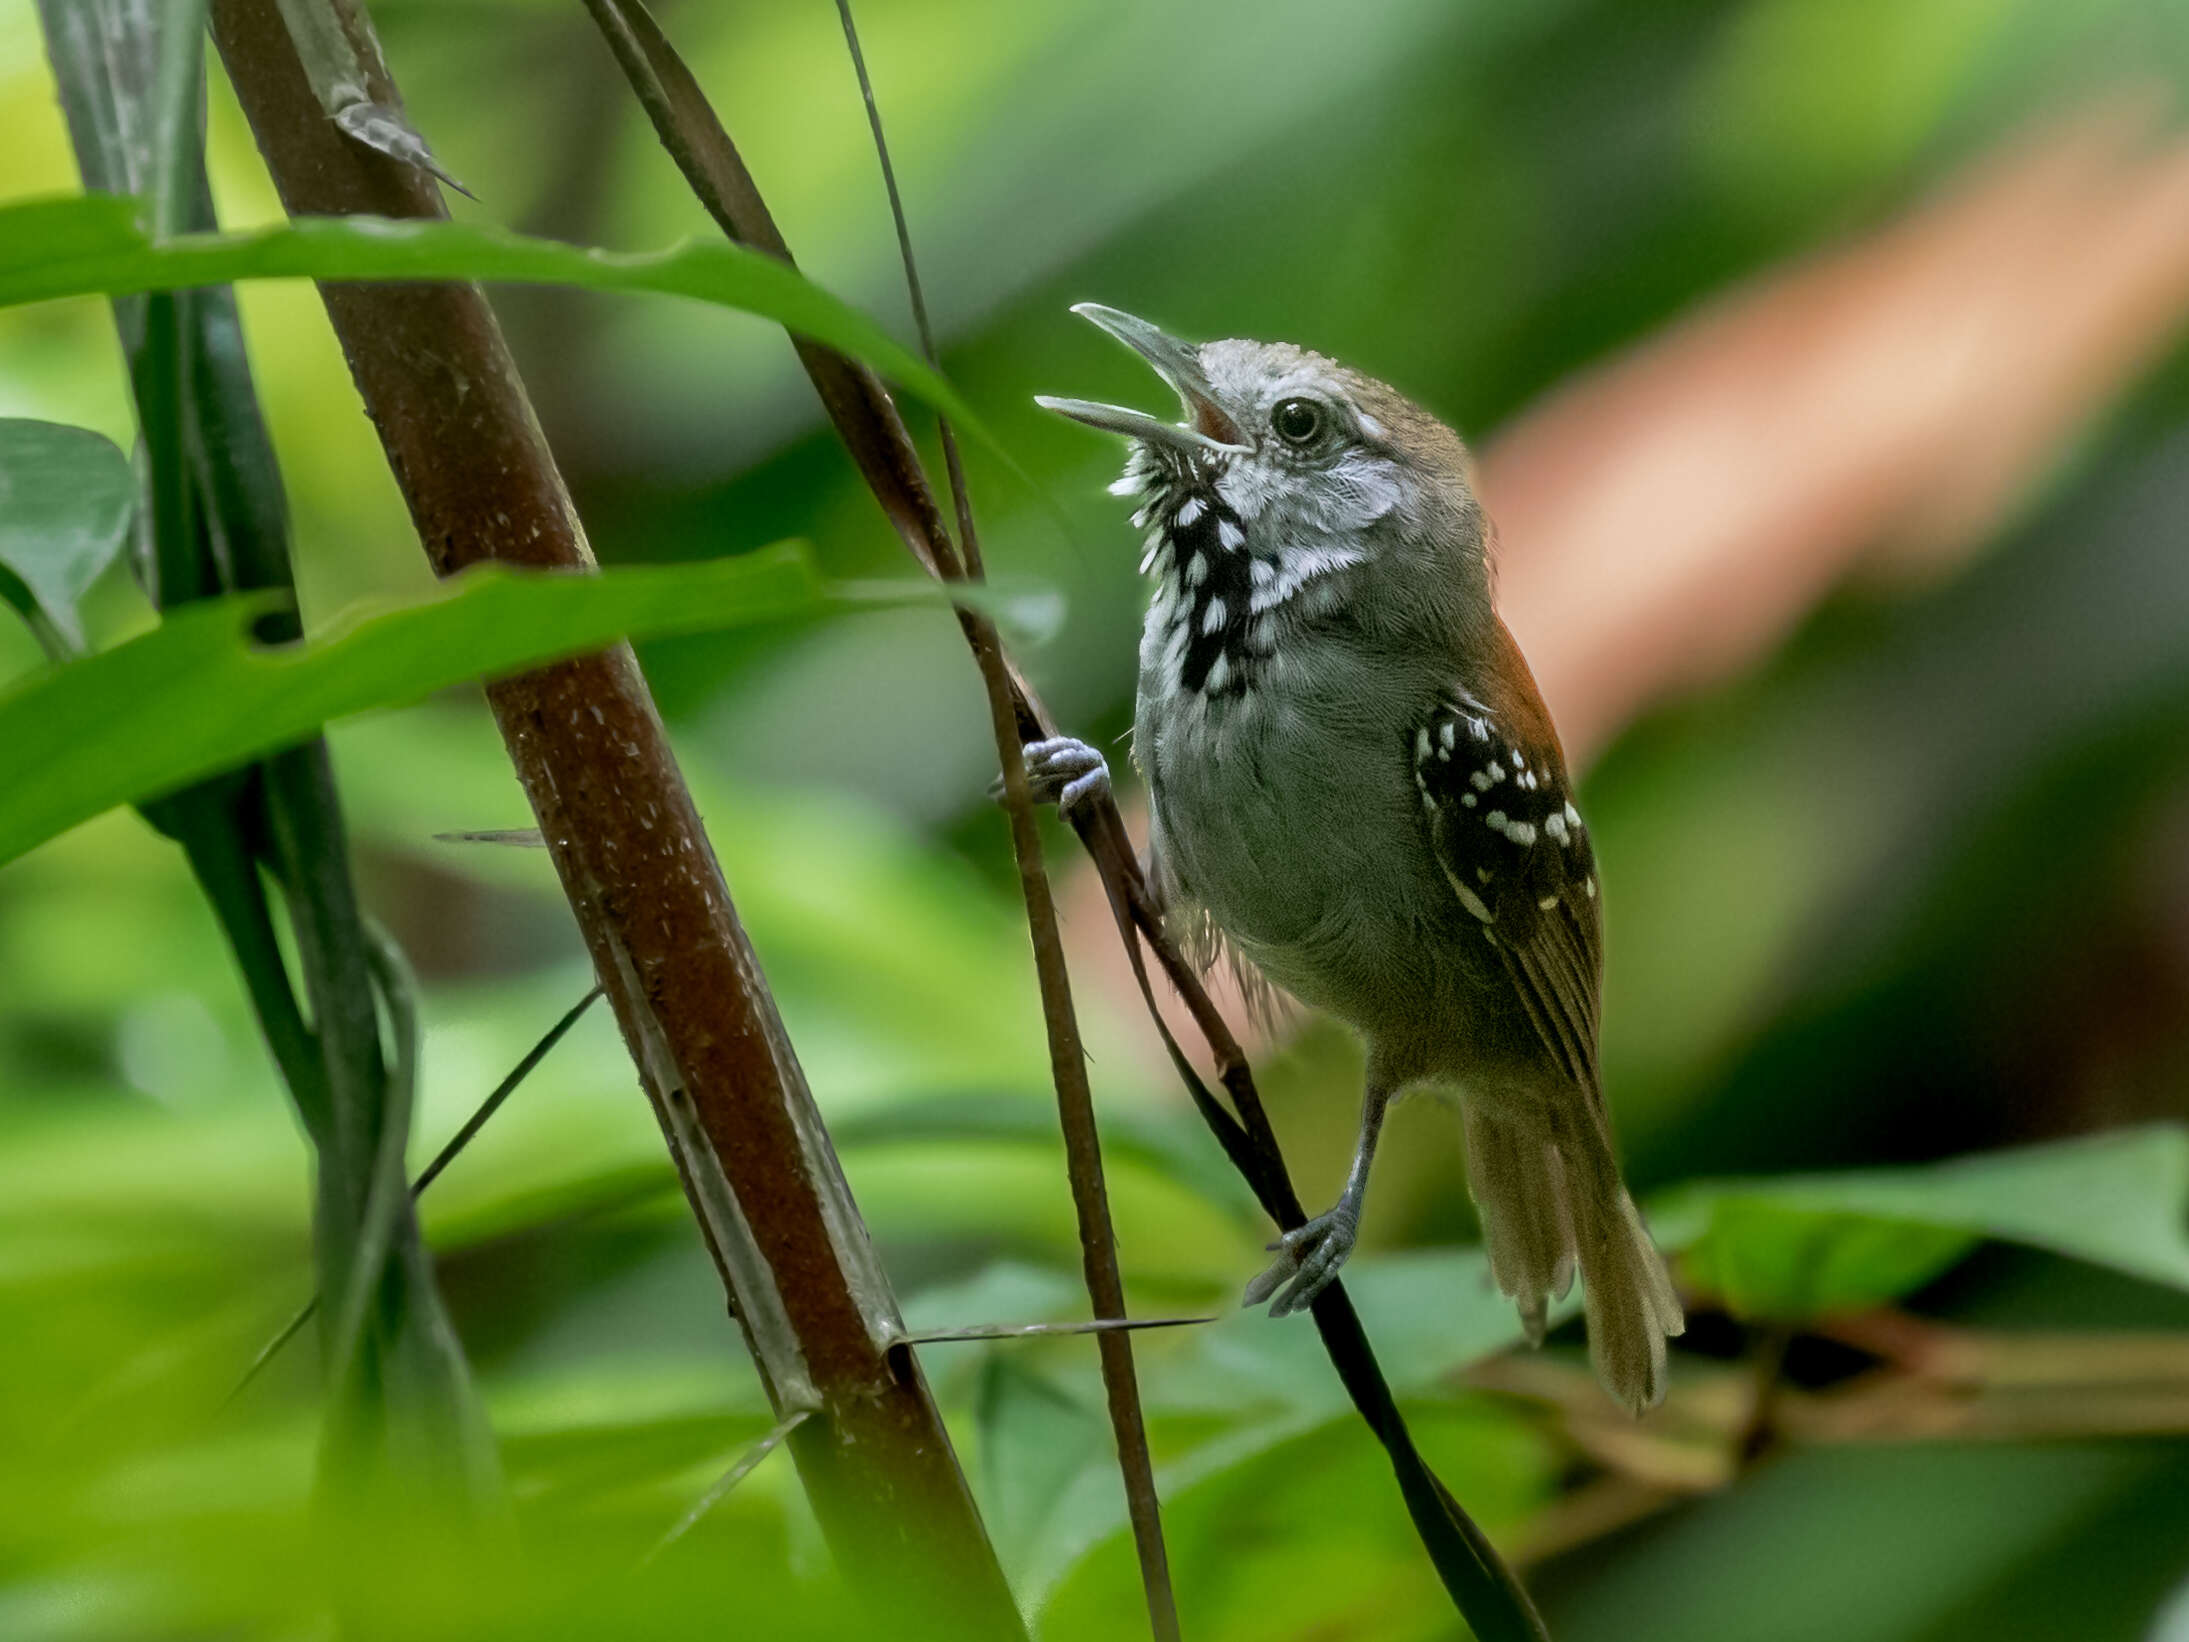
(1503, 828)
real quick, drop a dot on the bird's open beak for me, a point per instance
(1206, 425)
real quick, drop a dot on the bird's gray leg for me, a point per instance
(1064, 772)
(1309, 1256)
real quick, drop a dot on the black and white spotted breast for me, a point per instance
(1198, 547)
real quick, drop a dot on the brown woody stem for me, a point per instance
(641, 877)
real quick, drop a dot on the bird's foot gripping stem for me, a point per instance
(1308, 1258)
(1063, 772)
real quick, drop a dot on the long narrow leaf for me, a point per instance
(177, 112)
(72, 742)
(93, 245)
(215, 526)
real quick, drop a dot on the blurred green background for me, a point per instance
(1823, 355)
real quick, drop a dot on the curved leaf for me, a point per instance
(93, 245)
(66, 496)
(74, 741)
(1807, 1244)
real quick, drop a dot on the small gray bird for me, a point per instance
(1355, 788)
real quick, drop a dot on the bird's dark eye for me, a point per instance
(1297, 421)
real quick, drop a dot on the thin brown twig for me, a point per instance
(1082, 1142)
(859, 407)
(1044, 1331)
(1067, 1056)
(1480, 1583)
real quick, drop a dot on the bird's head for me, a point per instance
(1313, 463)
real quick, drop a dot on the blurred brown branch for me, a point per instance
(1939, 1384)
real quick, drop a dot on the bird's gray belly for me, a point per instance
(1293, 822)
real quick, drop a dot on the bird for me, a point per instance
(1356, 795)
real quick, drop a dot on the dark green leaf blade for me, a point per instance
(66, 496)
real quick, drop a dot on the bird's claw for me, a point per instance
(1064, 772)
(1308, 1257)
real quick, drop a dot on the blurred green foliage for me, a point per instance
(1912, 887)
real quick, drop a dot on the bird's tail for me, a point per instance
(1548, 1203)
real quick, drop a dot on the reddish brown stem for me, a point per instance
(588, 746)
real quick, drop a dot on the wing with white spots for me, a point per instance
(1503, 828)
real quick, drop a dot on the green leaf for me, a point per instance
(76, 741)
(1037, 1442)
(1775, 1260)
(66, 496)
(1269, 1385)
(105, 63)
(1170, 1148)
(1805, 1245)
(1258, 1508)
(94, 245)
